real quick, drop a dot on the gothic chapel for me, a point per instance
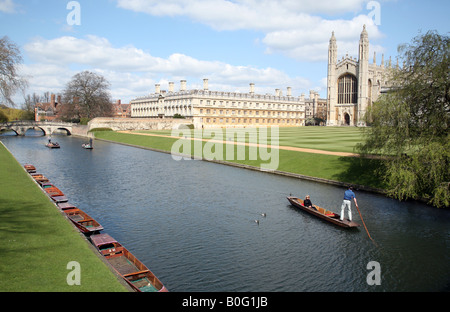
(353, 85)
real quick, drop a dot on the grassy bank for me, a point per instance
(352, 170)
(37, 242)
(334, 139)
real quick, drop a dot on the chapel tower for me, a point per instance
(352, 84)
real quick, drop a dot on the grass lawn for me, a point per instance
(334, 139)
(344, 169)
(37, 242)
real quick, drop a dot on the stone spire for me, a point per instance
(332, 50)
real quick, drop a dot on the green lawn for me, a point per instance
(352, 170)
(335, 139)
(37, 242)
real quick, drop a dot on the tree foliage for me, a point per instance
(87, 96)
(410, 123)
(10, 80)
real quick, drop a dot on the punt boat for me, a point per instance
(53, 145)
(84, 222)
(39, 178)
(65, 205)
(133, 271)
(54, 193)
(30, 168)
(322, 213)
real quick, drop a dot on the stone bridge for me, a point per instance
(48, 127)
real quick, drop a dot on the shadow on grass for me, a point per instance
(362, 171)
(18, 217)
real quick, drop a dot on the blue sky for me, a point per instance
(138, 43)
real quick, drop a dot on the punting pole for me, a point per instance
(365, 225)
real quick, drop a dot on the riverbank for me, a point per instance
(38, 242)
(319, 167)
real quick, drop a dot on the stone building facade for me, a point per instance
(217, 109)
(353, 84)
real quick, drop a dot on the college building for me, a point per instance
(217, 109)
(353, 84)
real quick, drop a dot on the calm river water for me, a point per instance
(193, 223)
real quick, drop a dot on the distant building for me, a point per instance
(353, 84)
(121, 110)
(217, 109)
(48, 111)
(315, 107)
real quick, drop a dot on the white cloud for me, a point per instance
(7, 6)
(292, 27)
(133, 72)
(243, 14)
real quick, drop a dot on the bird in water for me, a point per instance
(264, 214)
(257, 222)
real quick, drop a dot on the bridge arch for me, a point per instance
(62, 129)
(34, 128)
(8, 130)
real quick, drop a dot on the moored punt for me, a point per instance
(84, 222)
(135, 273)
(65, 205)
(322, 213)
(52, 190)
(46, 185)
(39, 178)
(59, 199)
(55, 193)
(30, 168)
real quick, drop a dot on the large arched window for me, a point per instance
(347, 89)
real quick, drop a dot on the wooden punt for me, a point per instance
(84, 222)
(65, 205)
(30, 168)
(52, 145)
(59, 199)
(322, 213)
(133, 271)
(55, 193)
(52, 190)
(39, 178)
(46, 184)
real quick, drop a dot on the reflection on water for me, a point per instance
(193, 223)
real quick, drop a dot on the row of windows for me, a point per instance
(250, 121)
(250, 105)
(244, 105)
(249, 112)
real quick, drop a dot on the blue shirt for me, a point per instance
(349, 195)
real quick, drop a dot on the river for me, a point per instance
(193, 223)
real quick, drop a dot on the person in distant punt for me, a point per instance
(307, 202)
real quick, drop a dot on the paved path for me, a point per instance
(289, 148)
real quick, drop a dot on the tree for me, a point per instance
(29, 105)
(87, 96)
(10, 80)
(409, 124)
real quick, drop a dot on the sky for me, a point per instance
(136, 44)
